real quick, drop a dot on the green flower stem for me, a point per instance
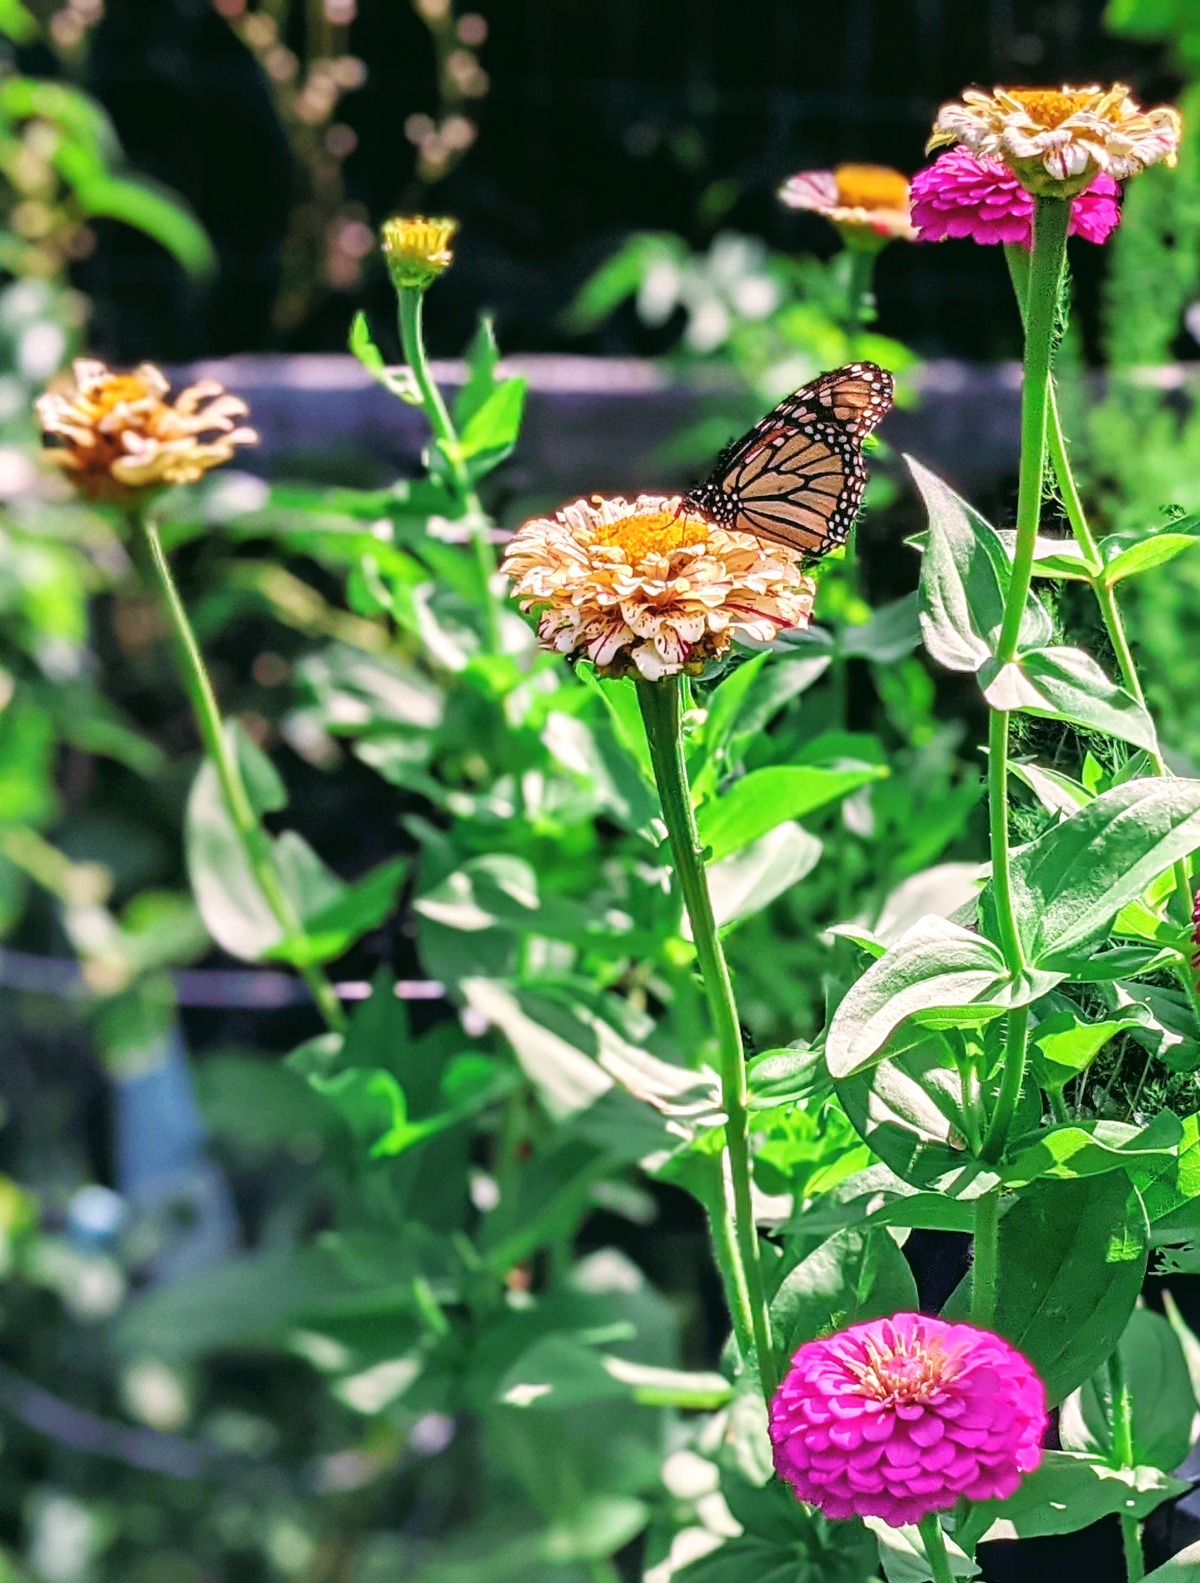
(1058, 1105)
(1045, 273)
(935, 1549)
(1016, 1049)
(1106, 598)
(860, 292)
(1050, 219)
(1006, 916)
(259, 852)
(985, 1248)
(737, 1239)
(1122, 1428)
(412, 340)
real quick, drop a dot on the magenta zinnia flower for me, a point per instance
(962, 195)
(897, 1418)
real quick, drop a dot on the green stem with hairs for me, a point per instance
(736, 1236)
(412, 340)
(1122, 1430)
(985, 1262)
(1050, 219)
(1106, 599)
(255, 841)
(934, 1542)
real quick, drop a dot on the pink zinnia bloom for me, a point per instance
(899, 1417)
(962, 195)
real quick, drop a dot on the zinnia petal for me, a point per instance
(963, 195)
(645, 588)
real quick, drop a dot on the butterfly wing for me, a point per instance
(797, 477)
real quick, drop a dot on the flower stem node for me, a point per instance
(647, 588)
(118, 437)
(897, 1418)
(417, 249)
(1056, 140)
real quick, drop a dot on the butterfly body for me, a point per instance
(797, 477)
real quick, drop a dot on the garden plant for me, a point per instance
(698, 939)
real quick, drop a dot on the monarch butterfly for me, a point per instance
(798, 476)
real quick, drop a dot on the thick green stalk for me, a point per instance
(1015, 1052)
(860, 294)
(935, 1549)
(1122, 1428)
(1045, 273)
(746, 1293)
(986, 1248)
(1006, 916)
(1050, 219)
(259, 852)
(412, 340)
(1106, 598)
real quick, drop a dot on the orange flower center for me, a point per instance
(871, 187)
(115, 390)
(1049, 107)
(645, 533)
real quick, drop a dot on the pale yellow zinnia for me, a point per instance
(867, 203)
(1056, 140)
(648, 588)
(117, 435)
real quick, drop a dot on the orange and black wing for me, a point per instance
(797, 477)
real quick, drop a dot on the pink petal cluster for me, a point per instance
(899, 1417)
(962, 195)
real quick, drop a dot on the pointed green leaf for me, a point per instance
(1071, 882)
(1072, 1260)
(1067, 684)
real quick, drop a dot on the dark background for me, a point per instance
(604, 117)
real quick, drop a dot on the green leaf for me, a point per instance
(1087, 1148)
(785, 1077)
(483, 356)
(906, 1109)
(1177, 1186)
(1056, 792)
(155, 211)
(17, 23)
(964, 572)
(766, 798)
(856, 1274)
(1069, 1491)
(1160, 1387)
(892, 633)
(1126, 554)
(330, 927)
(559, 1371)
(1070, 884)
(902, 1554)
(493, 429)
(1072, 1260)
(750, 880)
(619, 1097)
(1066, 1044)
(619, 697)
(1067, 684)
(936, 974)
(400, 381)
